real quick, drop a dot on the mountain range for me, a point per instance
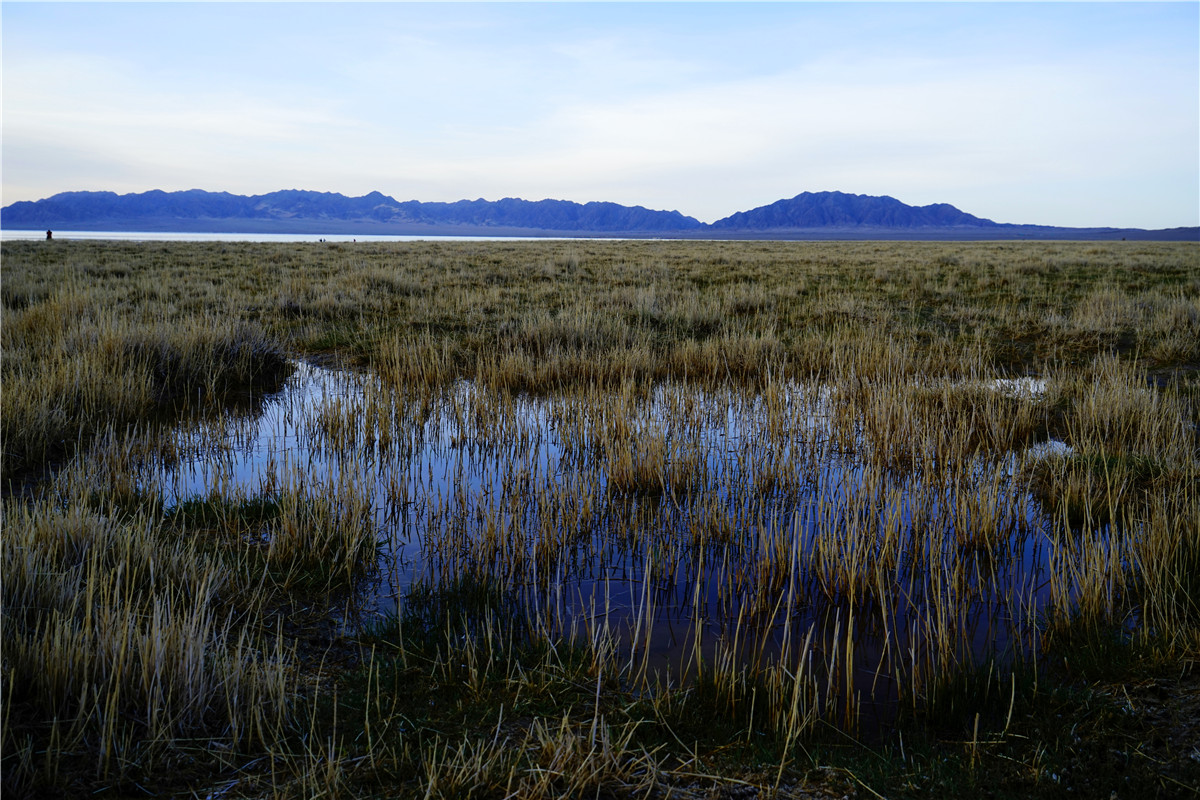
(809, 215)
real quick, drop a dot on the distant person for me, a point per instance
(49, 235)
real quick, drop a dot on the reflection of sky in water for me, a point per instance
(527, 504)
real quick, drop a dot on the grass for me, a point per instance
(848, 533)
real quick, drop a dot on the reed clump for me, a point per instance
(117, 650)
(136, 629)
(72, 368)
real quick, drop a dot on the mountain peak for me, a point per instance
(842, 210)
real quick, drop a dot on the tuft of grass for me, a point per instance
(116, 651)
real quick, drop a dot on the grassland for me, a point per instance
(196, 648)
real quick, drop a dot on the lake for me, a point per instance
(161, 236)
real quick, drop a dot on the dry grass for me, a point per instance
(800, 451)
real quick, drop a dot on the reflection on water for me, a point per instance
(678, 527)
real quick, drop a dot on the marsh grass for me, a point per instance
(797, 454)
(72, 368)
(118, 650)
(136, 632)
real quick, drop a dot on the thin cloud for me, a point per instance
(1060, 115)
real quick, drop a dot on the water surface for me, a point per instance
(762, 534)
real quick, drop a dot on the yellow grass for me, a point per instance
(869, 505)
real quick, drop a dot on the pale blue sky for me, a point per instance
(1079, 114)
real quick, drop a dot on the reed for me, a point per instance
(118, 648)
(654, 517)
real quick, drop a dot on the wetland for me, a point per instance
(539, 519)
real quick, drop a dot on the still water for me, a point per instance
(158, 236)
(760, 527)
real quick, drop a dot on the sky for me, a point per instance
(1072, 114)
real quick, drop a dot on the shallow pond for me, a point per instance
(673, 530)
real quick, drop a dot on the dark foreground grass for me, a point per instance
(433, 721)
(209, 650)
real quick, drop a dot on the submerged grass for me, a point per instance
(196, 648)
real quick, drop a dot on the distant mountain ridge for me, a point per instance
(809, 215)
(840, 210)
(69, 208)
